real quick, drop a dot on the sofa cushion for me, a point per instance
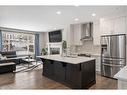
(9, 54)
(9, 63)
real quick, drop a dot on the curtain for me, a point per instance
(0, 40)
(37, 49)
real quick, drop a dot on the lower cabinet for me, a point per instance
(77, 76)
(73, 75)
(82, 75)
(59, 71)
(88, 73)
(48, 68)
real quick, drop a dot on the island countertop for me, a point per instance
(72, 60)
(122, 74)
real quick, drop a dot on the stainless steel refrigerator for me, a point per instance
(113, 54)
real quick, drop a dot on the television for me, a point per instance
(55, 36)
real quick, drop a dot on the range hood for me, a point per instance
(87, 30)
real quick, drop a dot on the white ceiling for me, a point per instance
(44, 18)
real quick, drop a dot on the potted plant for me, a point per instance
(43, 51)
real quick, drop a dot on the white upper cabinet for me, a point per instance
(106, 26)
(116, 25)
(120, 25)
(76, 34)
(96, 33)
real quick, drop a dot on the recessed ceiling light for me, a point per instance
(58, 12)
(76, 19)
(76, 5)
(93, 14)
(54, 28)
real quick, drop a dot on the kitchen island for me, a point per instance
(74, 72)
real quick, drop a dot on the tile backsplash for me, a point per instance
(88, 47)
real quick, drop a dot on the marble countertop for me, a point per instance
(93, 53)
(72, 60)
(122, 74)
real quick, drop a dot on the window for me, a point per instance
(20, 42)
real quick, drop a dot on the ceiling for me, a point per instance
(44, 18)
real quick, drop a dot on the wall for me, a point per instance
(68, 35)
(65, 36)
(43, 40)
(88, 47)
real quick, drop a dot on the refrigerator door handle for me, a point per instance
(113, 59)
(112, 65)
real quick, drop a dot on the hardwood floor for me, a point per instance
(104, 83)
(35, 80)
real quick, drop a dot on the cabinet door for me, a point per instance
(48, 68)
(120, 25)
(106, 26)
(77, 34)
(96, 33)
(116, 25)
(73, 75)
(59, 70)
(88, 73)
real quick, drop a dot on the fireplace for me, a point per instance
(54, 48)
(54, 51)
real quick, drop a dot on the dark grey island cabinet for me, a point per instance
(75, 76)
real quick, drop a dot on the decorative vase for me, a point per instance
(64, 48)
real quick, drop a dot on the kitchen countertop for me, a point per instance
(74, 60)
(93, 53)
(122, 74)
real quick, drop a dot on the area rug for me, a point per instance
(25, 67)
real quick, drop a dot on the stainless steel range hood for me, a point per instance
(87, 30)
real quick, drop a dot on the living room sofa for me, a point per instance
(10, 54)
(8, 65)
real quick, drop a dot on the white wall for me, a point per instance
(43, 40)
(66, 35)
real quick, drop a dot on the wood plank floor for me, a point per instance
(35, 80)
